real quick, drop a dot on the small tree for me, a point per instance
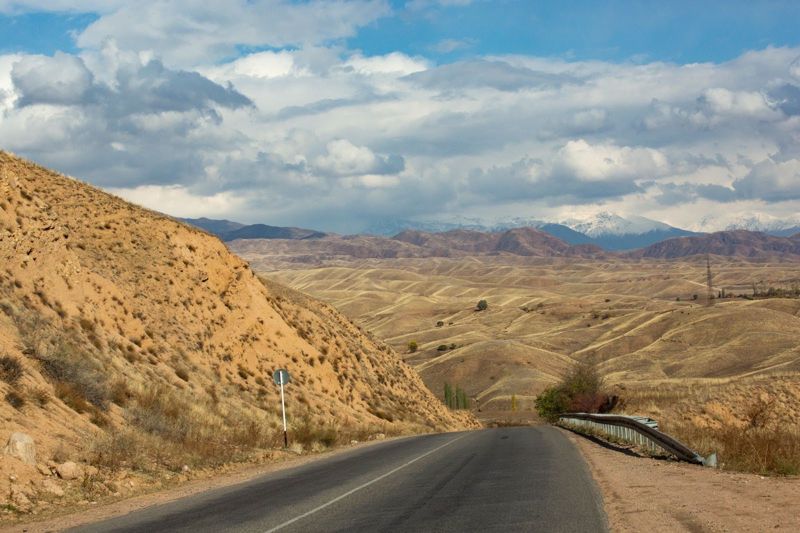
(448, 395)
(461, 399)
(513, 402)
(412, 346)
(483, 305)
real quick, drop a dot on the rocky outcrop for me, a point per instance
(22, 447)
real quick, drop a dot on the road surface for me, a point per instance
(502, 479)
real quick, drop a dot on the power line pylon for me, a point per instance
(710, 293)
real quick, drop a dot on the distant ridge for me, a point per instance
(738, 243)
(228, 230)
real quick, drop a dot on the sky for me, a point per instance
(341, 115)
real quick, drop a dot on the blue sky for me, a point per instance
(614, 30)
(676, 31)
(343, 114)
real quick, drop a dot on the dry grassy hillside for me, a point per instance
(131, 342)
(636, 319)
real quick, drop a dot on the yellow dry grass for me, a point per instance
(636, 319)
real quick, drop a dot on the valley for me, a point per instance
(644, 323)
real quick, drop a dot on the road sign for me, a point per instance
(281, 377)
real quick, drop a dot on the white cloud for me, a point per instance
(179, 201)
(194, 32)
(603, 162)
(394, 63)
(290, 136)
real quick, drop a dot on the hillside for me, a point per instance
(131, 342)
(268, 255)
(741, 243)
(230, 231)
(637, 319)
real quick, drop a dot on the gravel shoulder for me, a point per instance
(643, 494)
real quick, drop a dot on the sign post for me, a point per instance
(281, 377)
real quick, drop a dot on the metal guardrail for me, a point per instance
(641, 431)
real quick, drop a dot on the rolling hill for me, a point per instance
(644, 322)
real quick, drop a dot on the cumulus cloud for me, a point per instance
(192, 32)
(290, 135)
(61, 79)
(772, 181)
(343, 158)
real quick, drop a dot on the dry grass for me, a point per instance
(10, 369)
(759, 450)
(153, 339)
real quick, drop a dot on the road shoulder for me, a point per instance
(643, 494)
(239, 474)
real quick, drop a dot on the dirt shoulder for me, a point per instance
(95, 511)
(643, 494)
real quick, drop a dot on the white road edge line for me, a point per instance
(363, 486)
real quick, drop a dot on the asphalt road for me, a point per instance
(504, 479)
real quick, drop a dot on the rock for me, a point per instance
(22, 447)
(20, 500)
(50, 486)
(185, 468)
(68, 470)
(353, 442)
(43, 470)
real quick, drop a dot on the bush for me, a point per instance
(483, 305)
(581, 390)
(442, 348)
(413, 347)
(76, 376)
(15, 400)
(551, 403)
(10, 369)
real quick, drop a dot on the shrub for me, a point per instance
(442, 347)
(120, 393)
(40, 396)
(10, 369)
(412, 346)
(76, 377)
(551, 402)
(15, 400)
(483, 305)
(581, 390)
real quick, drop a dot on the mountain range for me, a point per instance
(605, 230)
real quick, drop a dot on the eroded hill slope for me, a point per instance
(132, 341)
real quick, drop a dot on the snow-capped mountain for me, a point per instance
(605, 223)
(781, 227)
(607, 230)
